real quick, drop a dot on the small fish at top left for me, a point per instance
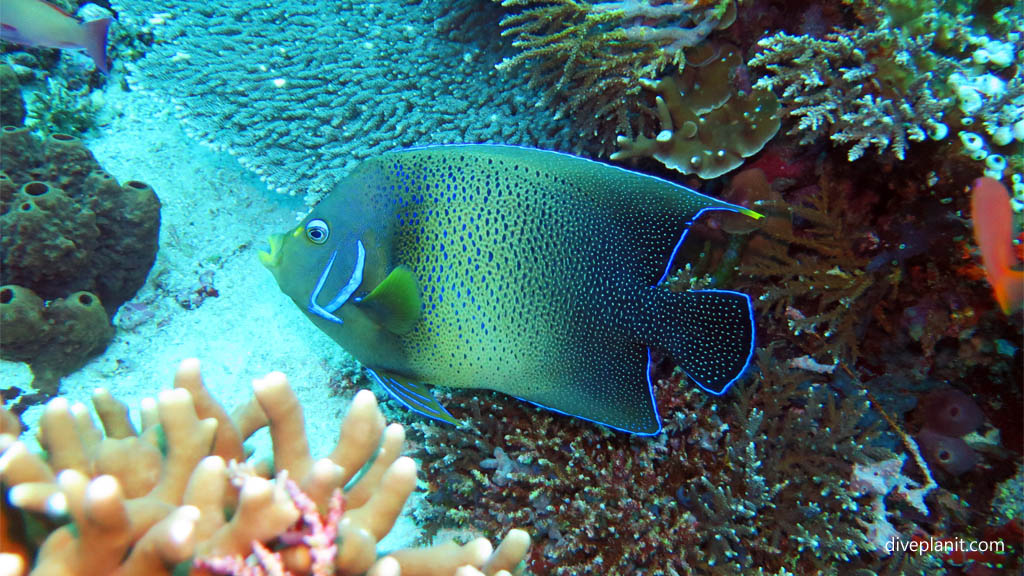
(38, 23)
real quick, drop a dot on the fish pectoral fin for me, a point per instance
(416, 397)
(395, 303)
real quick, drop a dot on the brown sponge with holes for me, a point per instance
(76, 245)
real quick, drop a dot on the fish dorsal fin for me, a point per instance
(395, 303)
(416, 397)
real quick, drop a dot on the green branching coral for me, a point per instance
(894, 79)
(589, 57)
(811, 274)
(839, 87)
(61, 110)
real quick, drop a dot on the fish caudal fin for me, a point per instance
(96, 42)
(709, 334)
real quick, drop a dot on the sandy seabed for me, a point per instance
(216, 216)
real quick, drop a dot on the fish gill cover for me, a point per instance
(297, 90)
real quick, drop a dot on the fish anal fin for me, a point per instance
(614, 391)
(415, 396)
(395, 304)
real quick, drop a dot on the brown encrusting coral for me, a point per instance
(709, 122)
(127, 501)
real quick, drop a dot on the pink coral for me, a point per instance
(315, 532)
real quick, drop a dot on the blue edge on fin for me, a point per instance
(750, 305)
(650, 383)
(411, 399)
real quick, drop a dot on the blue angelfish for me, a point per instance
(533, 273)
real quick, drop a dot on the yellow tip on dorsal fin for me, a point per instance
(751, 213)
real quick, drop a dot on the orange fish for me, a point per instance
(993, 232)
(37, 23)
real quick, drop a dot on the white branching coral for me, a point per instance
(832, 87)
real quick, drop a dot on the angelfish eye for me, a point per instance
(317, 231)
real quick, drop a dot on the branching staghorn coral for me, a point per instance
(589, 57)
(807, 265)
(756, 482)
(142, 502)
(836, 87)
(911, 71)
(879, 85)
(300, 91)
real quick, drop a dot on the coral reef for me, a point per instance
(869, 279)
(811, 271)
(856, 265)
(127, 501)
(74, 237)
(12, 104)
(59, 109)
(825, 83)
(894, 79)
(589, 57)
(300, 106)
(885, 399)
(869, 293)
(1007, 505)
(708, 124)
(763, 482)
